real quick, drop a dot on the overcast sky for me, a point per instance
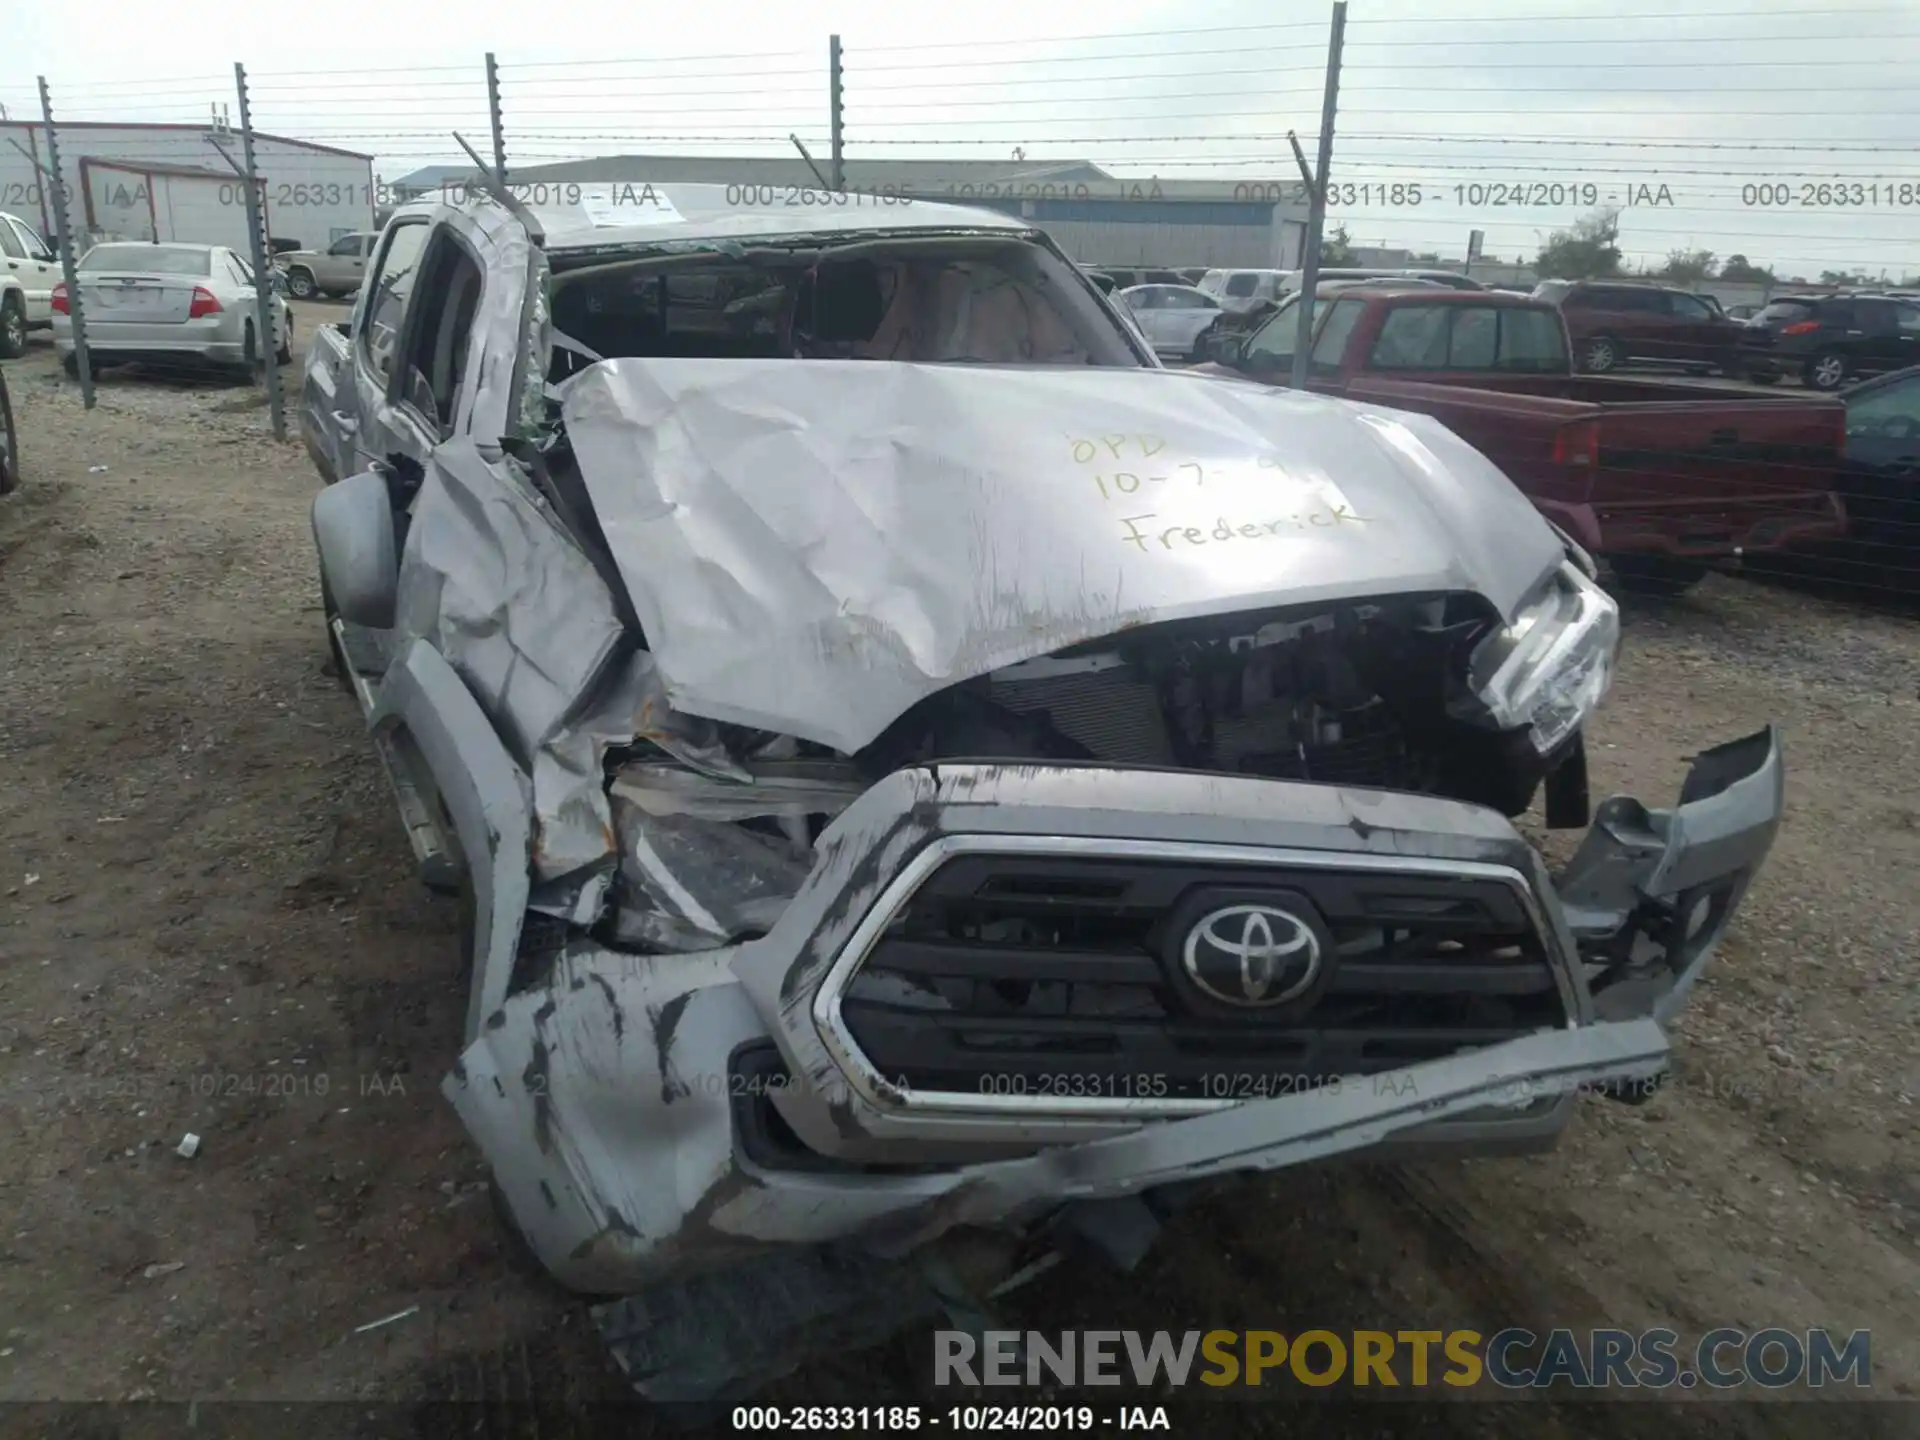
(1596, 99)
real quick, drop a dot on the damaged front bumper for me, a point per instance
(650, 1116)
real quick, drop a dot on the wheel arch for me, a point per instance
(487, 798)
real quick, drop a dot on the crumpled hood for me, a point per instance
(813, 546)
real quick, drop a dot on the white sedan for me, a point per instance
(192, 302)
(1172, 317)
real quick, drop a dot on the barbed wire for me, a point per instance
(1198, 109)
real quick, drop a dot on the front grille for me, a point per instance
(1053, 976)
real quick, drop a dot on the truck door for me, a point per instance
(424, 368)
(370, 428)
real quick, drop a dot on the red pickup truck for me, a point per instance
(1661, 478)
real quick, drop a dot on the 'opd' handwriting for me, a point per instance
(1085, 452)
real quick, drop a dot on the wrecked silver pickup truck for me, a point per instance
(926, 782)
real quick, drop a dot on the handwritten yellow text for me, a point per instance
(1085, 452)
(1187, 536)
(1125, 482)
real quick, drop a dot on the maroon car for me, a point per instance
(1612, 323)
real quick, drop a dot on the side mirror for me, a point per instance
(354, 532)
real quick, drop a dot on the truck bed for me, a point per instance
(1654, 439)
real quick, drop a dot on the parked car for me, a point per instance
(1244, 290)
(1172, 317)
(9, 441)
(1881, 481)
(1828, 339)
(1661, 479)
(1742, 312)
(26, 284)
(336, 270)
(171, 301)
(1616, 323)
(975, 777)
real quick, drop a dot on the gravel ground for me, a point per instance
(208, 924)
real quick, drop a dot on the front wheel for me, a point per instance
(13, 328)
(1826, 371)
(9, 444)
(1600, 355)
(300, 284)
(1663, 575)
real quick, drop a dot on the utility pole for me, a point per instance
(1317, 199)
(498, 122)
(836, 114)
(63, 228)
(263, 295)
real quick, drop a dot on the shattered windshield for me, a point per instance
(961, 301)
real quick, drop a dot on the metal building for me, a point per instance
(1097, 218)
(169, 182)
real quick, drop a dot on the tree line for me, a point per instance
(1589, 249)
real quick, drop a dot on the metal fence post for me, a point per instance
(262, 273)
(836, 113)
(1317, 201)
(498, 121)
(64, 238)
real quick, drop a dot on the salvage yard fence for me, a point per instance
(1226, 135)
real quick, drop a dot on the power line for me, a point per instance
(1082, 39)
(1660, 40)
(1612, 18)
(1239, 50)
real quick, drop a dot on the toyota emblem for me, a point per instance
(1253, 955)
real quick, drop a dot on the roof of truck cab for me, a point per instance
(1440, 295)
(668, 213)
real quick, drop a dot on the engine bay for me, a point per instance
(715, 839)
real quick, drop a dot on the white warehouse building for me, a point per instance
(169, 182)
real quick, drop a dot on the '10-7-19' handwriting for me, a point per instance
(1153, 471)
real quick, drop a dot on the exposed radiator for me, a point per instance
(1116, 717)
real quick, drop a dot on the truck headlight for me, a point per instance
(1548, 670)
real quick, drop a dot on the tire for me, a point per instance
(250, 353)
(1662, 575)
(284, 355)
(1599, 355)
(300, 285)
(1826, 371)
(70, 362)
(9, 444)
(13, 327)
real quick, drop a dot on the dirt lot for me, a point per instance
(208, 924)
